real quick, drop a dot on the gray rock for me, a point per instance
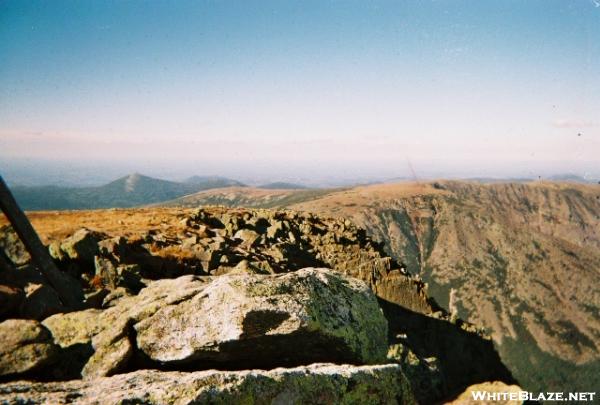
(109, 340)
(256, 321)
(113, 247)
(114, 296)
(26, 346)
(129, 276)
(317, 383)
(113, 350)
(188, 243)
(56, 252)
(12, 246)
(123, 275)
(208, 257)
(82, 245)
(238, 320)
(107, 331)
(74, 327)
(247, 236)
(72, 332)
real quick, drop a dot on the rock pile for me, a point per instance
(230, 289)
(215, 242)
(236, 321)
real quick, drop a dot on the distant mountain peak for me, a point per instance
(134, 189)
(132, 181)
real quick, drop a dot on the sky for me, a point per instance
(300, 89)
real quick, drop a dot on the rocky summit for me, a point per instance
(226, 306)
(519, 258)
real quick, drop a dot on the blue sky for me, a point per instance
(456, 87)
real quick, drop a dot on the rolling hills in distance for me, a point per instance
(521, 259)
(280, 185)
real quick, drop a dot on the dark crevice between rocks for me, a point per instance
(465, 357)
(63, 365)
(69, 364)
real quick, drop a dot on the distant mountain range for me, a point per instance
(128, 191)
(521, 259)
(137, 190)
(279, 185)
(574, 178)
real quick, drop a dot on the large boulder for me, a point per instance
(26, 345)
(246, 320)
(110, 332)
(97, 342)
(317, 383)
(238, 320)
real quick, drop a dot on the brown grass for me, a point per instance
(131, 223)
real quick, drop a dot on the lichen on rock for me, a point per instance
(314, 384)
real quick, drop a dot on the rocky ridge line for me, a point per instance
(128, 279)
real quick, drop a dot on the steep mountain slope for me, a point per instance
(521, 259)
(127, 191)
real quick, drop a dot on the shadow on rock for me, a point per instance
(464, 357)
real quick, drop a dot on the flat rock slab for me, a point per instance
(317, 383)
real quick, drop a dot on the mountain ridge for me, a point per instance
(132, 190)
(521, 259)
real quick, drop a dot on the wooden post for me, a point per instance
(68, 289)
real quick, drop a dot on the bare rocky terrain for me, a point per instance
(520, 259)
(477, 283)
(286, 298)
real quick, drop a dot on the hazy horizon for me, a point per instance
(314, 92)
(82, 174)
